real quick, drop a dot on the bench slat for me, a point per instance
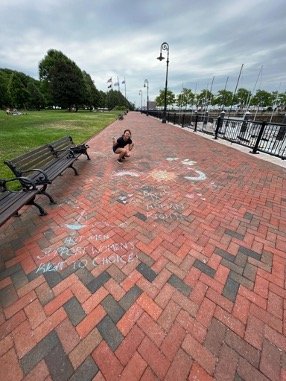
(12, 202)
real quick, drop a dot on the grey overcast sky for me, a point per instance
(209, 40)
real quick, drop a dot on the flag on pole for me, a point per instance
(123, 82)
(110, 80)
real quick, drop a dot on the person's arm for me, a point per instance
(114, 140)
(131, 145)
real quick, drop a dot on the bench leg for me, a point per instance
(52, 200)
(75, 171)
(86, 154)
(42, 210)
(2, 266)
(43, 191)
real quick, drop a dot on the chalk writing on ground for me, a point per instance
(83, 263)
(70, 247)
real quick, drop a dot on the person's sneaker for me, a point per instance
(119, 161)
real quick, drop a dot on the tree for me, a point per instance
(115, 98)
(17, 92)
(279, 100)
(35, 97)
(263, 98)
(64, 79)
(160, 99)
(223, 98)
(242, 97)
(185, 98)
(4, 97)
(91, 94)
(67, 85)
(102, 99)
(205, 98)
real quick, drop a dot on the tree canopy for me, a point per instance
(224, 98)
(61, 83)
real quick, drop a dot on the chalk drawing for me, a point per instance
(83, 263)
(103, 224)
(160, 175)
(192, 196)
(168, 217)
(174, 206)
(68, 249)
(126, 173)
(201, 176)
(77, 225)
(188, 162)
(172, 158)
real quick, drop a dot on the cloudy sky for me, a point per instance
(209, 40)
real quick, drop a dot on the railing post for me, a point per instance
(255, 148)
(218, 125)
(183, 120)
(196, 121)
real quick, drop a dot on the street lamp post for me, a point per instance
(140, 93)
(146, 84)
(165, 46)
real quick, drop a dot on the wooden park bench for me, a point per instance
(44, 164)
(66, 144)
(12, 201)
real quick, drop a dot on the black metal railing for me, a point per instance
(265, 137)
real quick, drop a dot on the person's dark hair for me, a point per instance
(127, 131)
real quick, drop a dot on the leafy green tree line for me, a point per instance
(61, 83)
(224, 98)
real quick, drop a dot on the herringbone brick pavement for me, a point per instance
(170, 266)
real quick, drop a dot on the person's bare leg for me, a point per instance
(121, 152)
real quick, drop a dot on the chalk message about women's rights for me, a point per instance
(72, 253)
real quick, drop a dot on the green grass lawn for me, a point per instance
(21, 133)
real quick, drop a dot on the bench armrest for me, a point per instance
(44, 178)
(24, 181)
(56, 152)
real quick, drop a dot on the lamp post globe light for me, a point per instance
(165, 46)
(146, 84)
(140, 93)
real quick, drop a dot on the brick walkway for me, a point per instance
(168, 267)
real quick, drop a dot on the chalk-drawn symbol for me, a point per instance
(76, 225)
(126, 173)
(201, 176)
(160, 175)
(188, 162)
(172, 158)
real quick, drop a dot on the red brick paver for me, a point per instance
(170, 266)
